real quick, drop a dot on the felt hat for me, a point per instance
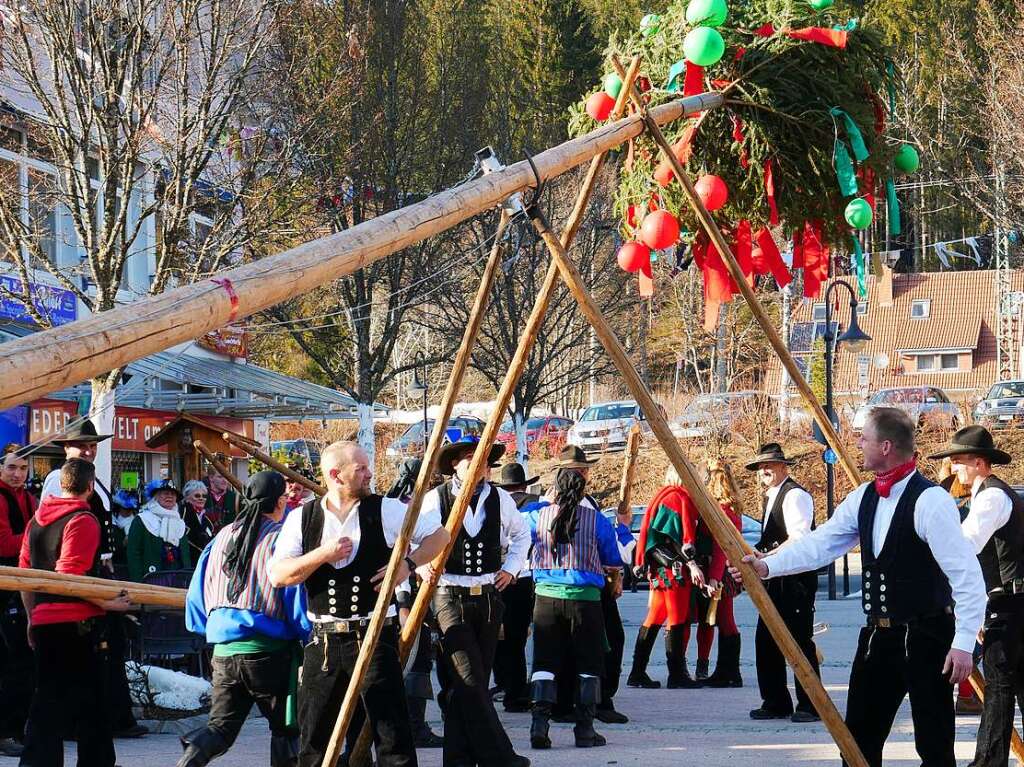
(975, 440)
(770, 452)
(453, 452)
(512, 475)
(81, 431)
(573, 457)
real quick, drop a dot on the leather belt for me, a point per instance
(467, 591)
(1016, 586)
(347, 626)
(888, 623)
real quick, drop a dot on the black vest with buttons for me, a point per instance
(479, 554)
(346, 592)
(774, 534)
(1002, 559)
(105, 518)
(904, 581)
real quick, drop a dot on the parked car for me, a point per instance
(924, 404)
(1003, 405)
(411, 443)
(296, 449)
(709, 414)
(553, 427)
(605, 426)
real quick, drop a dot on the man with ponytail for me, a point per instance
(255, 628)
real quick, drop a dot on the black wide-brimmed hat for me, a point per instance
(770, 452)
(573, 457)
(975, 440)
(82, 431)
(512, 475)
(452, 453)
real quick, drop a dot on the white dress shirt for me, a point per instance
(513, 536)
(990, 510)
(392, 513)
(937, 523)
(797, 511)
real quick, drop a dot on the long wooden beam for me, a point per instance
(628, 470)
(215, 462)
(86, 587)
(54, 359)
(720, 525)
(273, 463)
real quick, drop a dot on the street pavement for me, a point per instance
(667, 727)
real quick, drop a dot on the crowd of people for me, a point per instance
(285, 583)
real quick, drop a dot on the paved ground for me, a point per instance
(667, 727)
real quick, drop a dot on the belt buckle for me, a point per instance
(883, 623)
(342, 627)
(475, 591)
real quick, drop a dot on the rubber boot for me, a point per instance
(675, 652)
(586, 707)
(201, 746)
(544, 693)
(284, 751)
(727, 667)
(645, 641)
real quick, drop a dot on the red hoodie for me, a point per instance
(78, 550)
(10, 542)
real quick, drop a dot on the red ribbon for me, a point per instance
(835, 38)
(718, 285)
(769, 188)
(744, 251)
(225, 283)
(693, 84)
(771, 260)
(765, 30)
(737, 136)
(815, 259)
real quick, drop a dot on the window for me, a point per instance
(42, 212)
(937, 362)
(862, 308)
(818, 312)
(920, 309)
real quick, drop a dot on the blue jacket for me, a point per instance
(608, 538)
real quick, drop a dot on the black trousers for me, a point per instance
(71, 674)
(119, 699)
(794, 599)
(889, 664)
(239, 681)
(16, 675)
(510, 655)
(1003, 662)
(327, 665)
(568, 630)
(469, 635)
(616, 637)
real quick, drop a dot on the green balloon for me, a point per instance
(612, 85)
(703, 46)
(706, 13)
(907, 159)
(821, 5)
(858, 214)
(650, 24)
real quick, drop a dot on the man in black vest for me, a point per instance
(916, 565)
(995, 528)
(339, 547)
(490, 549)
(788, 516)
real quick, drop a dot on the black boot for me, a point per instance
(586, 708)
(675, 652)
(422, 735)
(727, 668)
(645, 640)
(284, 751)
(201, 746)
(544, 692)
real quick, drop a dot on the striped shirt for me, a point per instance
(259, 595)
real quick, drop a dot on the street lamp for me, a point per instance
(418, 388)
(856, 339)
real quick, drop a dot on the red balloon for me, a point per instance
(633, 256)
(659, 230)
(600, 105)
(712, 191)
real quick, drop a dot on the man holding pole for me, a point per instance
(995, 528)
(917, 564)
(469, 607)
(339, 546)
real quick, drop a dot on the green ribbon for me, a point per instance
(893, 205)
(890, 71)
(849, 26)
(858, 260)
(844, 170)
(673, 75)
(860, 151)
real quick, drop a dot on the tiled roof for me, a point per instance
(961, 316)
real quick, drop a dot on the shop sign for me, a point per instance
(57, 304)
(230, 341)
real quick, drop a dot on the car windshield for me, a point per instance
(608, 412)
(415, 431)
(1006, 389)
(898, 397)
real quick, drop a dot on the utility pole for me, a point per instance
(1006, 306)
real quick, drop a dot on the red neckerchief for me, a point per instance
(884, 480)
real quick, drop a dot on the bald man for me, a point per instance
(339, 547)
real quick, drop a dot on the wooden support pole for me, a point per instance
(223, 470)
(67, 355)
(1016, 744)
(709, 225)
(720, 525)
(628, 470)
(274, 464)
(86, 587)
(427, 469)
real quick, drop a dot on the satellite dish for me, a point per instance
(881, 360)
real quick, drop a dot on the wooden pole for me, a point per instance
(274, 464)
(85, 587)
(709, 225)
(1016, 745)
(223, 470)
(720, 525)
(628, 469)
(67, 355)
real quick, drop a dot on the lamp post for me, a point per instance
(418, 388)
(855, 339)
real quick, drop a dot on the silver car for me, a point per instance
(1003, 406)
(606, 426)
(924, 405)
